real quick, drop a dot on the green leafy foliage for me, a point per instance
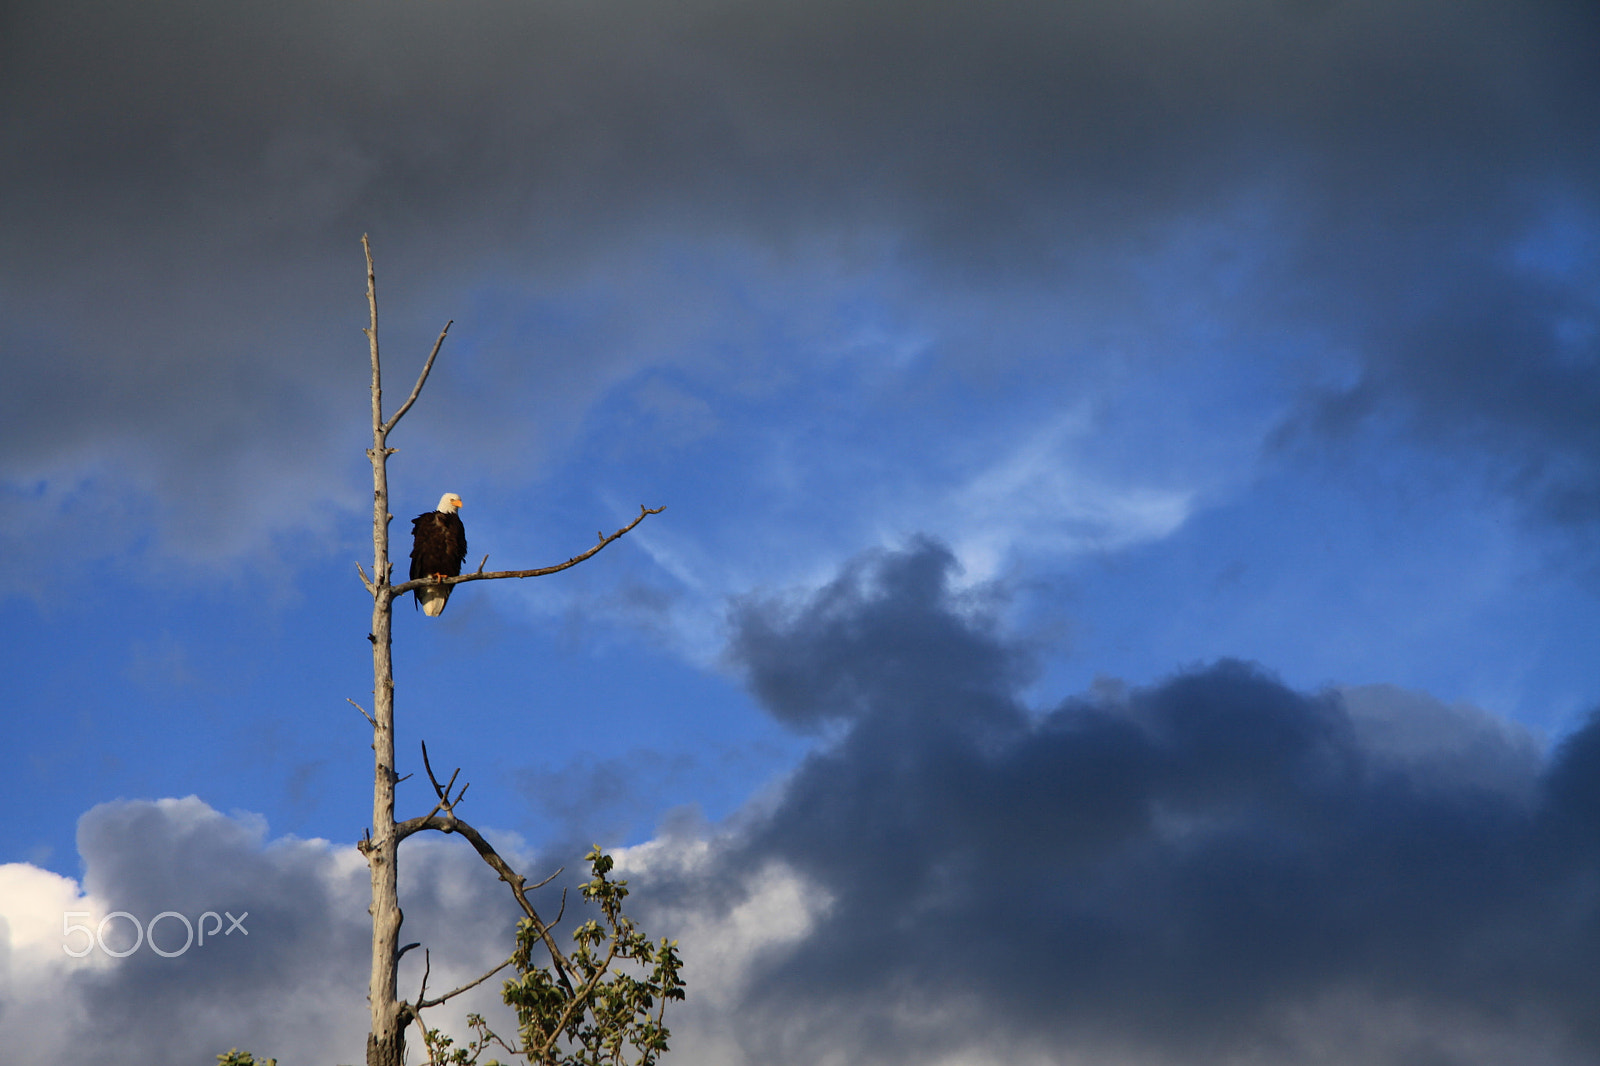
(601, 1004)
(235, 1057)
(442, 1052)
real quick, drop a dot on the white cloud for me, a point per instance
(773, 908)
(1043, 497)
(38, 1013)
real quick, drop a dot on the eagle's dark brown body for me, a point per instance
(438, 546)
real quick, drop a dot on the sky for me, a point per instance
(1131, 548)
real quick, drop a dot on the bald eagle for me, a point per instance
(438, 548)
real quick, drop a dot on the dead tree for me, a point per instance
(585, 998)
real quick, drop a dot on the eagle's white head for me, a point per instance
(448, 503)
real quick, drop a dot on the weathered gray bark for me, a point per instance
(386, 1041)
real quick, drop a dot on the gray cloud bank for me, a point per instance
(1213, 869)
(1397, 198)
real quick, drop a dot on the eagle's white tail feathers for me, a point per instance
(433, 601)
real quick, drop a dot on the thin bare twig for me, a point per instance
(559, 871)
(415, 1013)
(363, 710)
(400, 590)
(563, 908)
(421, 380)
(423, 1004)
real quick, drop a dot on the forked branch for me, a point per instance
(450, 823)
(445, 803)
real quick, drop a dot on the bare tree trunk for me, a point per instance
(386, 1042)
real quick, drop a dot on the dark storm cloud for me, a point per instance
(1485, 340)
(1197, 871)
(184, 183)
